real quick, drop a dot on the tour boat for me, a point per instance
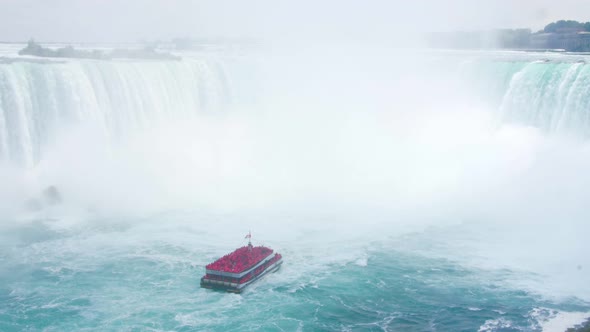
(235, 271)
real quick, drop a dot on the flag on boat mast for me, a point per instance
(249, 237)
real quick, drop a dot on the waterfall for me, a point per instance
(552, 96)
(37, 100)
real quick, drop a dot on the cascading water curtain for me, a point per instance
(37, 100)
(552, 96)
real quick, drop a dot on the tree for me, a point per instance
(563, 26)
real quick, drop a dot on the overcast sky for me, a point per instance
(133, 20)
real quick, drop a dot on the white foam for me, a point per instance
(495, 324)
(361, 261)
(561, 321)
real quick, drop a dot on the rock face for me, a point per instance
(35, 49)
(50, 196)
(584, 327)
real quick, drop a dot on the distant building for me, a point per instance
(571, 41)
(567, 39)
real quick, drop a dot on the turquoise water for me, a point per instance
(144, 275)
(445, 192)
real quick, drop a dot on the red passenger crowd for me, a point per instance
(240, 260)
(248, 276)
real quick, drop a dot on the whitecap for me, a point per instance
(558, 321)
(494, 325)
(361, 261)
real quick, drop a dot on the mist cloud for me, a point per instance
(124, 21)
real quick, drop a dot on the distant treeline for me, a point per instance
(567, 35)
(147, 53)
(563, 25)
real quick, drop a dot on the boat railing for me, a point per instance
(241, 274)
